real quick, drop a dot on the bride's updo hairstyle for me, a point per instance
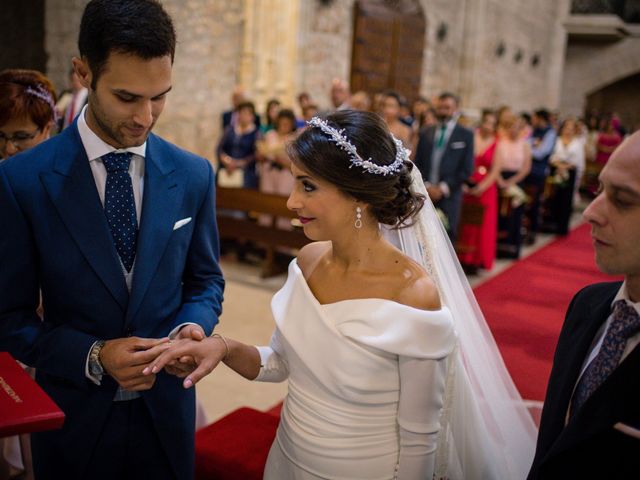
(389, 196)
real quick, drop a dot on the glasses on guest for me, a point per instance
(19, 140)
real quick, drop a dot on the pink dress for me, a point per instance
(481, 239)
(609, 140)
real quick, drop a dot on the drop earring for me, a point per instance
(358, 222)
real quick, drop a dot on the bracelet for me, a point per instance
(226, 345)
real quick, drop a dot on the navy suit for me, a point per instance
(55, 239)
(456, 166)
(589, 446)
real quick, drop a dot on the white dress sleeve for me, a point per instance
(273, 365)
(422, 385)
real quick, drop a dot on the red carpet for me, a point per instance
(525, 306)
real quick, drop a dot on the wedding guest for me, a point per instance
(274, 162)
(503, 113)
(391, 115)
(608, 140)
(238, 95)
(419, 112)
(590, 424)
(361, 101)
(340, 94)
(27, 110)
(270, 116)
(444, 156)
(513, 154)
(77, 99)
(304, 99)
(27, 115)
(309, 112)
(568, 163)
(480, 240)
(542, 141)
(236, 150)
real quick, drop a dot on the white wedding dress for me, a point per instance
(345, 416)
(380, 390)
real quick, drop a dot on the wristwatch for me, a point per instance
(95, 365)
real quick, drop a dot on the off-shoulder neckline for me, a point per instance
(303, 279)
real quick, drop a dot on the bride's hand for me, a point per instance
(206, 354)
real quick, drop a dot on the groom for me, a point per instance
(590, 426)
(116, 229)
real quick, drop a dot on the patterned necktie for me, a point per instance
(625, 323)
(443, 130)
(120, 206)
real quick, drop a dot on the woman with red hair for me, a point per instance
(27, 114)
(27, 110)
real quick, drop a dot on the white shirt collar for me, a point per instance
(95, 146)
(623, 294)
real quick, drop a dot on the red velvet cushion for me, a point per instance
(236, 446)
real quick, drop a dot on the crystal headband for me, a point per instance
(338, 137)
(41, 93)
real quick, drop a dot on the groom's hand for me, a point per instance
(184, 365)
(122, 358)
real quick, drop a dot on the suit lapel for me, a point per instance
(72, 190)
(604, 408)
(588, 320)
(163, 192)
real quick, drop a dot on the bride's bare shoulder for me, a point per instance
(309, 255)
(418, 289)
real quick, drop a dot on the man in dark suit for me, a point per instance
(444, 156)
(116, 228)
(229, 117)
(590, 426)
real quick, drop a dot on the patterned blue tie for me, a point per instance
(625, 323)
(120, 206)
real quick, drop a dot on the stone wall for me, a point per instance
(62, 20)
(592, 66)
(467, 62)
(205, 71)
(325, 37)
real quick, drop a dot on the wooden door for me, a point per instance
(388, 46)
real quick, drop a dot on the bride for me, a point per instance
(392, 370)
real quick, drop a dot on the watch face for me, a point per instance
(95, 368)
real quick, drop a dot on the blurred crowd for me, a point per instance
(498, 177)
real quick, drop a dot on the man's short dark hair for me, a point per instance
(543, 114)
(452, 96)
(138, 27)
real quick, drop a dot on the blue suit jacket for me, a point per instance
(55, 239)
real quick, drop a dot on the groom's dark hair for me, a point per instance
(138, 27)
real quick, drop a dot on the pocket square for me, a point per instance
(181, 223)
(458, 145)
(627, 430)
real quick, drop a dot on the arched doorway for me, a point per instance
(22, 27)
(388, 46)
(621, 97)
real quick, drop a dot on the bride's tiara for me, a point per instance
(338, 137)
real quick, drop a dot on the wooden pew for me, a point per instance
(253, 202)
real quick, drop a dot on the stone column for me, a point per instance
(268, 62)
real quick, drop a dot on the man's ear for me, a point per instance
(81, 67)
